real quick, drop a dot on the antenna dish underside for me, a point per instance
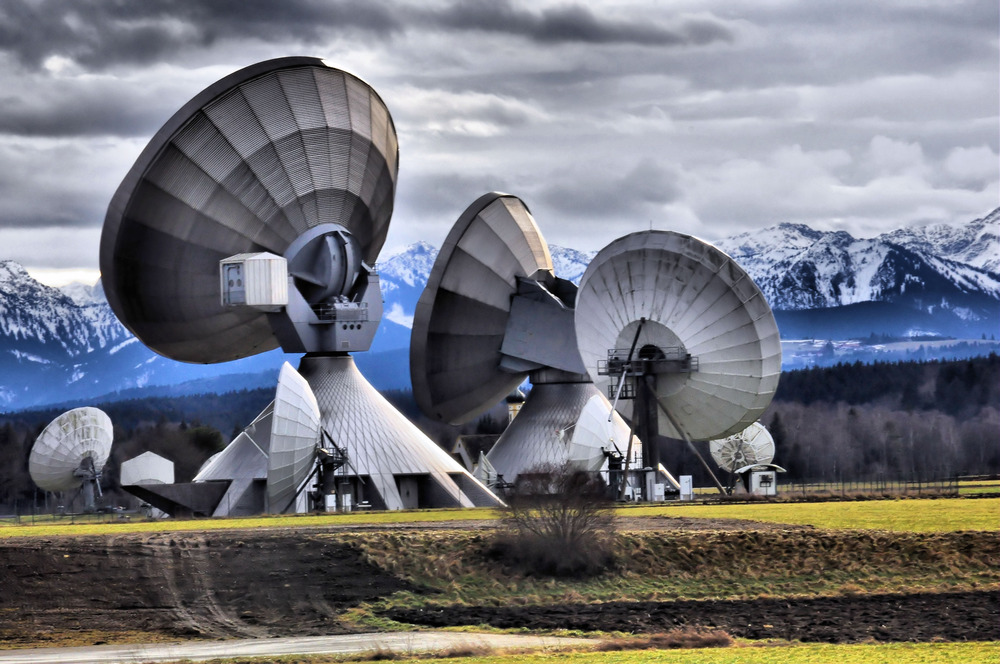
(695, 300)
(559, 423)
(295, 432)
(247, 166)
(65, 444)
(461, 317)
(750, 447)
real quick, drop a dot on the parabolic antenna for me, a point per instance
(493, 314)
(461, 319)
(680, 316)
(595, 433)
(255, 162)
(253, 219)
(750, 447)
(295, 434)
(71, 452)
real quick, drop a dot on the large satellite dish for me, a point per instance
(750, 447)
(252, 164)
(462, 316)
(693, 319)
(679, 337)
(253, 219)
(295, 435)
(71, 451)
(493, 314)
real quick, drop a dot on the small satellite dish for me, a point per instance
(295, 434)
(750, 447)
(71, 451)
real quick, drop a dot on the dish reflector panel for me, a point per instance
(461, 317)
(247, 166)
(295, 433)
(67, 442)
(751, 447)
(695, 300)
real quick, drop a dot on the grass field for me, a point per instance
(745, 653)
(908, 545)
(897, 653)
(907, 515)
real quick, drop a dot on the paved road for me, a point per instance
(308, 645)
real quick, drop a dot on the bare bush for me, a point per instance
(558, 522)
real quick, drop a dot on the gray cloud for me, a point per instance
(577, 23)
(100, 34)
(705, 117)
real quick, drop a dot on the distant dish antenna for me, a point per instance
(750, 447)
(295, 435)
(70, 453)
(493, 314)
(679, 338)
(253, 220)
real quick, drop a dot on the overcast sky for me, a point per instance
(710, 118)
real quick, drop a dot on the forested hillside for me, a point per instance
(894, 421)
(906, 421)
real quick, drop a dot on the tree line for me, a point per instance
(884, 420)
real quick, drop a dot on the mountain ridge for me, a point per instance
(57, 345)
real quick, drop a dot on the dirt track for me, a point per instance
(216, 585)
(283, 582)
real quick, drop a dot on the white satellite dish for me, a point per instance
(71, 451)
(751, 447)
(595, 434)
(494, 313)
(671, 323)
(295, 435)
(253, 220)
(461, 321)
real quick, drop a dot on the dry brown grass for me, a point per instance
(682, 637)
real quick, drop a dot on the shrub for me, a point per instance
(558, 522)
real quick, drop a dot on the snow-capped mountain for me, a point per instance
(570, 264)
(799, 268)
(976, 244)
(57, 345)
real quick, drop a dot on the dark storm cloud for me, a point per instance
(99, 34)
(576, 23)
(75, 109)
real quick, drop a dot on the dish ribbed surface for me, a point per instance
(693, 297)
(65, 443)
(461, 317)
(247, 166)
